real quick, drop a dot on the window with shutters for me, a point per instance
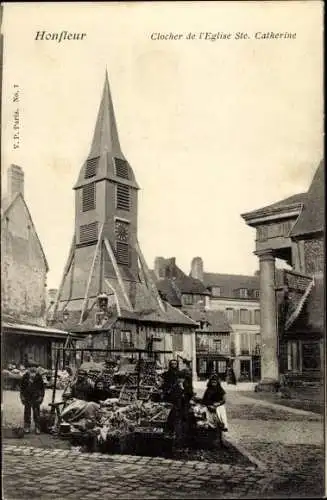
(88, 233)
(245, 316)
(123, 197)
(126, 339)
(236, 316)
(244, 344)
(121, 168)
(122, 253)
(257, 316)
(91, 167)
(88, 197)
(217, 345)
(229, 314)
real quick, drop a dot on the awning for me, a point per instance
(39, 331)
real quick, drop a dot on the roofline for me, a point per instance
(30, 216)
(306, 234)
(112, 179)
(37, 330)
(265, 214)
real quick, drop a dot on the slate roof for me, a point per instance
(167, 289)
(229, 283)
(312, 216)
(217, 320)
(311, 317)
(176, 282)
(171, 316)
(106, 146)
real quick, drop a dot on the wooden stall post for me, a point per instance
(55, 377)
(138, 375)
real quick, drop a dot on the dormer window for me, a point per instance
(188, 299)
(257, 294)
(244, 293)
(216, 291)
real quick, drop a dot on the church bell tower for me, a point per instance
(105, 257)
(106, 194)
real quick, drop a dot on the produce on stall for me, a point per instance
(123, 409)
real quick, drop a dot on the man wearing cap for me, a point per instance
(32, 395)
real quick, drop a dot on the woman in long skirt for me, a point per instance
(214, 399)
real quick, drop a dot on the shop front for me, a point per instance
(207, 364)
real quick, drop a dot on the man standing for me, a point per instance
(32, 395)
(176, 391)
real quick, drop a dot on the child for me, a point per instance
(32, 395)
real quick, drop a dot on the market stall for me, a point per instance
(117, 406)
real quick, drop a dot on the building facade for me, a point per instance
(237, 296)
(23, 280)
(292, 301)
(213, 347)
(107, 290)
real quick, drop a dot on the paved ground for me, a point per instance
(286, 444)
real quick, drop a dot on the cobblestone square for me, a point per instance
(284, 448)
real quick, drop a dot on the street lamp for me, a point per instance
(65, 314)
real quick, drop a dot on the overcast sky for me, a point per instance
(212, 129)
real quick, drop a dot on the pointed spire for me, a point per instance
(105, 138)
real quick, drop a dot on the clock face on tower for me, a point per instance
(121, 231)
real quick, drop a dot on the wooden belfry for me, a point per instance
(105, 256)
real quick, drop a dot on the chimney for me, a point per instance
(197, 268)
(159, 267)
(15, 181)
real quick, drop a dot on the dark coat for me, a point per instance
(172, 392)
(32, 391)
(213, 395)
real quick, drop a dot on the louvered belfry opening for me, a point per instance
(122, 253)
(88, 197)
(88, 233)
(121, 168)
(91, 167)
(123, 197)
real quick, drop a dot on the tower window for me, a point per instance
(88, 233)
(121, 168)
(123, 198)
(122, 253)
(88, 202)
(91, 167)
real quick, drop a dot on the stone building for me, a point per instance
(292, 301)
(237, 296)
(107, 290)
(23, 280)
(213, 347)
